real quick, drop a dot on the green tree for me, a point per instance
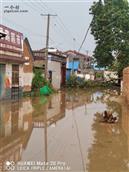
(110, 28)
(38, 80)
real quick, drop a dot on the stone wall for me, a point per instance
(125, 84)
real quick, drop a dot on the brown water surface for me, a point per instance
(64, 128)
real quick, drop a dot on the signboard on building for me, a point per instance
(13, 42)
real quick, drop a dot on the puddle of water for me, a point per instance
(66, 129)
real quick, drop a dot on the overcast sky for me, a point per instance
(67, 29)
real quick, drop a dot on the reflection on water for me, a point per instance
(20, 122)
(64, 127)
(16, 124)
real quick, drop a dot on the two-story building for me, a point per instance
(77, 63)
(11, 63)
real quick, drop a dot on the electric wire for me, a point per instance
(62, 25)
(40, 6)
(57, 22)
(26, 30)
(84, 39)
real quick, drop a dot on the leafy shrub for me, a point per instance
(72, 81)
(75, 81)
(82, 82)
(99, 75)
(38, 80)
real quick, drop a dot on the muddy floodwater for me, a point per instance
(63, 132)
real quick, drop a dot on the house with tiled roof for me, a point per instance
(77, 62)
(56, 66)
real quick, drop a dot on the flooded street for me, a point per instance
(65, 128)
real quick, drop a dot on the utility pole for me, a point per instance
(47, 43)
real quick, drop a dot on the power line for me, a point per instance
(65, 28)
(63, 25)
(26, 30)
(39, 7)
(84, 37)
(58, 28)
(36, 9)
(88, 31)
(59, 21)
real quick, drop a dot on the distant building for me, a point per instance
(97, 68)
(110, 75)
(77, 62)
(11, 63)
(56, 66)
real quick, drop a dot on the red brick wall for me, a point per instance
(126, 83)
(26, 53)
(27, 69)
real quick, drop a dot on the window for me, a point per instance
(18, 39)
(13, 37)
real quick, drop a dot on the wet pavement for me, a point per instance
(64, 131)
